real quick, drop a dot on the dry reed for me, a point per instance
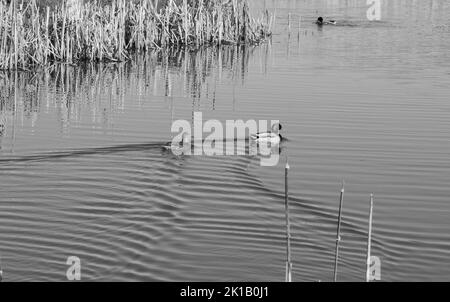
(31, 36)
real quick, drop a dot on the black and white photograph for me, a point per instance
(249, 142)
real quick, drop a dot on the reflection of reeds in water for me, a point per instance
(98, 87)
(30, 37)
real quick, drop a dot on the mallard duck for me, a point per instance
(321, 22)
(180, 146)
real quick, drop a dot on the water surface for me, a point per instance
(82, 171)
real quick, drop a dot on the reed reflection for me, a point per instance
(94, 94)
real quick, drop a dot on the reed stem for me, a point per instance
(289, 24)
(369, 239)
(288, 226)
(338, 232)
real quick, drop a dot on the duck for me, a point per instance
(269, 137)
(179, 147)
(321, 22)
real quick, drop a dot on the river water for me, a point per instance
(83, 172)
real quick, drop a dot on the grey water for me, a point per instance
(82, 171)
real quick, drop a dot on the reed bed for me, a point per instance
(31, 36)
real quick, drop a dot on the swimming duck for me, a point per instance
(269, 137)
(321, 22)
(178, 148)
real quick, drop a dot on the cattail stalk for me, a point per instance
(369, 239)
(338, 233)
(288, 226)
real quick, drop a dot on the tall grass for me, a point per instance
(31, 36)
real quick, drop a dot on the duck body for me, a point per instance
(320, 21)
(180, 147)
(267, 137)
(272, 137)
